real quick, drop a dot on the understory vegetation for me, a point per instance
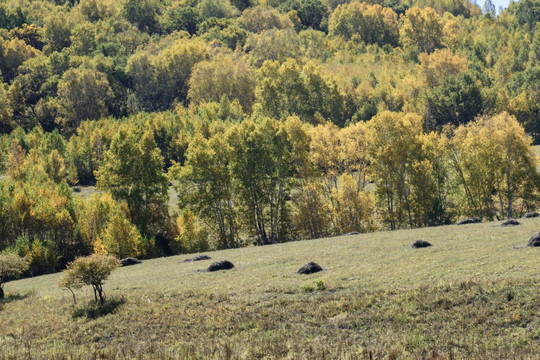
(269, 121)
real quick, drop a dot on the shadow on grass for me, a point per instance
(13, 297)
(94, 309)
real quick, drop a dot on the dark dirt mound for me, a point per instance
(309, 268)
(418, 244)
(472, 220)
(130, 261)
(198, 258)
(535, 240)
(220, 265)
(510, 222)
(531, 215)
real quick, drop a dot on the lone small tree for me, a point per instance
(90, 270)
(11, 268)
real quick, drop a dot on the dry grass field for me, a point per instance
(470, 296)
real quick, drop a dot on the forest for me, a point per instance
(270, 121)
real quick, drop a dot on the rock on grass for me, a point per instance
(529, 215)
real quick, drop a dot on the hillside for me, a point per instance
(470, 296)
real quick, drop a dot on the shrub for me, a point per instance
(318, 285)
(11, 268)
(91, 270)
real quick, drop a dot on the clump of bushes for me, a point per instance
(11, 268)
(41, 256)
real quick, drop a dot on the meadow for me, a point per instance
(473, 295)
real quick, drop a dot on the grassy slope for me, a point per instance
(472, 295)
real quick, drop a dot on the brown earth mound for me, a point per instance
(130, 261)
(198, 258)
(309, 268)
(221, 265)
(535, 240)
(419, 244)
(472, 220)
(510, 222)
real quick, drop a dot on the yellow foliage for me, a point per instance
(422, 28)
(440, 64)
(192, 236)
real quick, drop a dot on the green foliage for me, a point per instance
(256, 110)
(216, 9)
(160, 80)
(496, 167)
(422, 28)
(91, 270)
(265, 157)
(273, 45)
(83, 94)
(132, 172)
(227, 76)
(258, 19)
(142, 13)
(458, 100)
(12, 266)
(288, 90)
(185, 18)
(527, 12)
(407, 165)
(318, 285)
(41, 258)
(371, 24)
(206, 186)
(313, 14)
(192, 236)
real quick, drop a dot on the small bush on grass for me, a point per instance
(90, 270)
(11, 268)
(95, 309)
(316, 286)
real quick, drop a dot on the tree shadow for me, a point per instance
(13, 297)
(94, 309)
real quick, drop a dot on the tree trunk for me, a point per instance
(74, 298)
(1, 293)
(509, 190)
(100, 294)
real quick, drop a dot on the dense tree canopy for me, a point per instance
(147, 128)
